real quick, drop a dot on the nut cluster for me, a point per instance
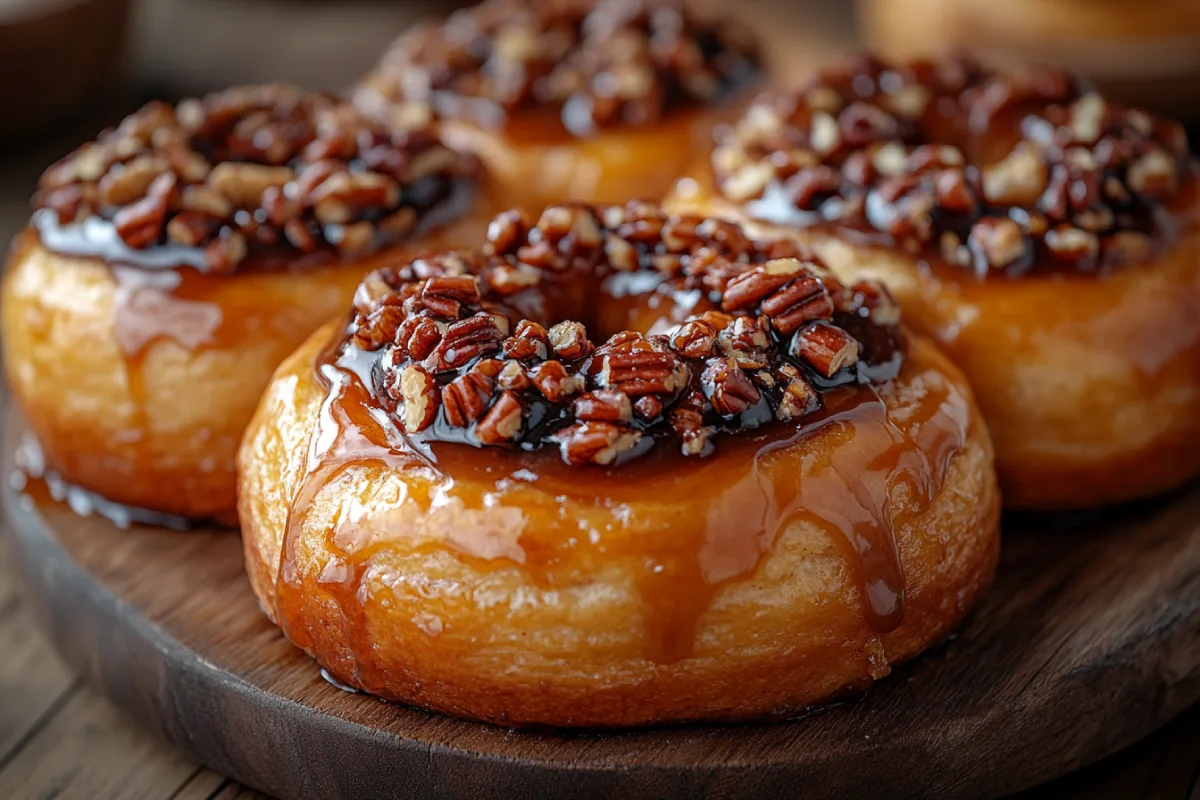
(605, 62)
(451, 351)
(255, 168)
(994, 171)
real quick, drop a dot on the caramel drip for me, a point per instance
(841, 472)
(345, 435)
(150, 307)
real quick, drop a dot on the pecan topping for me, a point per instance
(601, 63)
(1067, 172)
(436, 333)
(261, 169)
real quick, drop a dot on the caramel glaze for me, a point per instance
(852, 469)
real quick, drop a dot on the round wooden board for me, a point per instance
(1089, 640)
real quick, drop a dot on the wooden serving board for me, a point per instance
(1089, 640)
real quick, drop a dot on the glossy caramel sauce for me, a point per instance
(857, 470)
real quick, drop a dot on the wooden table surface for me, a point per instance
(60, 740)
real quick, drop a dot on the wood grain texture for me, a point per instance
(1088, 641)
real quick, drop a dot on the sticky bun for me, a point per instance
(752, 491)
(171, 264)
(1044, 236)
(568, 99)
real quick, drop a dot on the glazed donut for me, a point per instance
(174, 262)
(448, 501)
(1045, 237)
(568, 99)
(1146, 53)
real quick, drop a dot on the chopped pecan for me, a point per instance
(798, 397)
(695, 338)
(141, 224)
(445, 295)
(419, 398)
(224, 253)
(416, 336)
(595, 442)
(554, 382)
(464, 341)
(997, 243)
(1017, 179)
(727, 387)
(465, 398)
(747, 339)
(503, 421)
(512, 376)
(603, 405)
(506, 232)
(529, 341)
(1072, 244)
(569, 340)
(379, 327)
(192, 228)
(648, 407)
(687, 421)
(825, 347)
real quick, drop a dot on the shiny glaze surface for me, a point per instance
(694, 526)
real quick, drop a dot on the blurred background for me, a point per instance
(70, 67)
